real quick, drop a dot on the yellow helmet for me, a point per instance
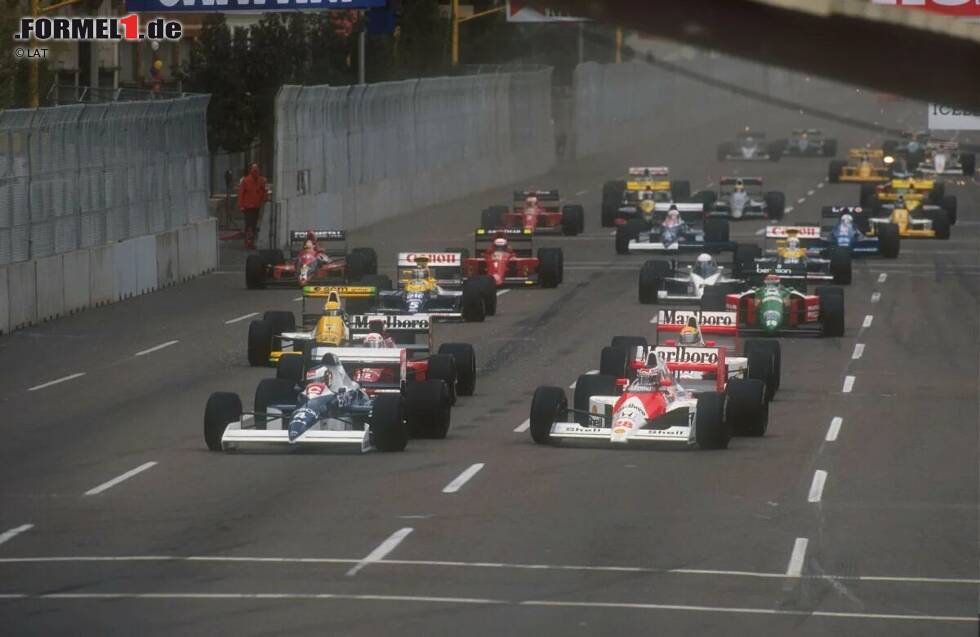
(689, 335)
(332, 306)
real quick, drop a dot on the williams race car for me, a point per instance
(672, 229)
(539, 211)
(795, 253)
(432, 283)
(626, 199)
(309, 263)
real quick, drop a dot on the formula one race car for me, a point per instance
(644, 187)
(795, 253)
(863, 165)
(432, 283)
(919, 222)
(751, 146)
(355, 398)
(922, 195)
(742, 197)
(839, 227)
(501, 256)
(946, 158)
(672, 229)
(775, 309)
(810, 142)
(309, 263)
(702, 282)
(539, 211)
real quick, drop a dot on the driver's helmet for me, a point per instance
(328, 363)
(374, 341)
(530, 202)
(739, 186)
(846, 221)
(705, 265)
(793, 243)
(900, 202)
(688, 335)
(771, 281)
(420, 274)
(500, 244)
(309, 245)
(332, 308)
(673, 217)
(648, 377)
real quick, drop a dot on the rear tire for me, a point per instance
(745, 256)
(868, 193)
(389, 431)
(572, 220)
(711, 429)
(889, 240)
(548, 406)
(550, 266)
(680, 190)
(940, 224)
(473, 306)
(612, 198)
(273, 391)
(775, 205)
(835, 171)
(428, 409)
(949, 205)
(627, 232)
(370, 258)
(613, 361)
(255, 272)
(831, 310)
(840, 265)
(771, 348)
(357, 266)
(589, 385)
(290, 367)
(716, 230)
(652, 274)
(968, 161)
(443, 367)
(260, 335)
(382, 282)
(747, 409)
(281, 321)
(465, 357)
(629, 344)
(713, 299)
(222, 409)
(488, 288)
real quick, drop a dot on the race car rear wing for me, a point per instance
(447, 267)
(336, 236)
(542, 195)
(397, 325)
(355, 358)
(747, 181)
(485, 236)
(720, 327)
(649, 171)
(705, 367)
(870, 153)
(363, 295)
(809, 235)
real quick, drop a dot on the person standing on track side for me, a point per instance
(252, 193)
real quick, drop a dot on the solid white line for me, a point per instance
(835, 424)
(801, 200)
(502, 292)
(789, 209)
(241, 318)
(848, 384)
(882, 277)
(810, 193)
(867, 320)
(858, 351)
(581, 192)
(126, 476)
(816, 487)
(6, 536)
(795, 568)
(383, 549)
(875, 297)
(153, 349)
(56, 381)
(462, 478)
(524, 426)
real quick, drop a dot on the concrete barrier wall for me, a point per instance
(43, 289)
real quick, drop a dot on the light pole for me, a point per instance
(458, 21)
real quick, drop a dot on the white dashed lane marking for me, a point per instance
(524, 426)
(834, 430)
(809, 193)
(858, 351)
(463, 478)
(848, 384)
(6, 536)
(56, 381)
(875, 297)
(502, 292)
(816, 487)
(105, 486)
(882, 277)
(241, 318)
(796, 559)
(867, 321)
(155, 348)
(801, 200)
(789, 209)
(383, 550)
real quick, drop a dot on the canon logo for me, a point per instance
(938, 109)
(434, 258)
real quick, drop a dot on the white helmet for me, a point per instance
(793, 243)
(500, 243)
(705, 265)
(673, 216)
(531, 201)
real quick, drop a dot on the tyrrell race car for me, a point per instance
(863, 165)
(775, 309)
(644, 187)
(795, 253)
(751, 146)
(506, 255)
(810, 142)
(839, 227)
(309, 263)
(539, 211)
(702, 282)
(743, 197)
(672, 229)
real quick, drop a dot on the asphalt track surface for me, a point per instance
(855, 515)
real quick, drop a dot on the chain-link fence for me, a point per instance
(79, 176)
(354, 155)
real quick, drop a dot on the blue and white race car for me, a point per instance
(846, 227)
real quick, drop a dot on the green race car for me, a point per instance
(775, 309)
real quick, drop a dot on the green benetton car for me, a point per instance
(775, 309)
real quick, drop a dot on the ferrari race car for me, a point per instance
(810, 142)
(863, 165)
(751, 146)
(500, 254)
(795, 253)
(742, 197)
(671, 229)
(702, 282)
(644, 187)
(309, 263)
(840, 227)
(775, 309)
(921, 195)
(539, 211)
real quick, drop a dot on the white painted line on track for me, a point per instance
(591, 372)
(809, 193)
(298, 298)
(834, 430)
(581, 192)
(882, 277)
(105, 486)
(463, 478)
(788, 210)
(816, 487)
(858, 351)
(760, 231)
(6, 536)
(796, 559)
(875, 297)
(612, 234)
(502, 292)
(820, 185)
(241, 318)
(801, 200)
(155, 348)
(524, 426)
(56, 381)
(848, 384)
(383, 549)
(867, 320)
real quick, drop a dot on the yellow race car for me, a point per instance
(921, 222)
(863, 165)
(913, 193)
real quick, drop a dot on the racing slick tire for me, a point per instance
(712, 431)
(628, 344)
(255, 272)
(473, 302)
(380, 281)
(281, 321)
(831, 310)
(492, 217)
(840, 265)
(291, 367)
(465, 357)
(389, 431)
(589, 385)
(868, 192)
(488, 288)
(357, 266)
(612, 198)
(272, 257)
(706, 198)
(889, 240)
(260, 335)
(776, 150)
(428, 409)
(940, 223)
(713, 299)
(764, 363)
(550, 267)
(835, 171)
(724, 150)
(222, 409)
(745, 256)
(548, 406)
(273, 391)
(747, 408)
(949, 205)
(830, 147)
(716, 230)
(443, 367)
(370, 259)
(652, 274)
(613, 361)
(572, 220)
(937, 193)
(629, 231)
(775, 205)
(680, 190)
(968, 161)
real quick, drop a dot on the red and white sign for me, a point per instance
(522, 11)
(781, 232)
(436, 259)
(959, 8)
